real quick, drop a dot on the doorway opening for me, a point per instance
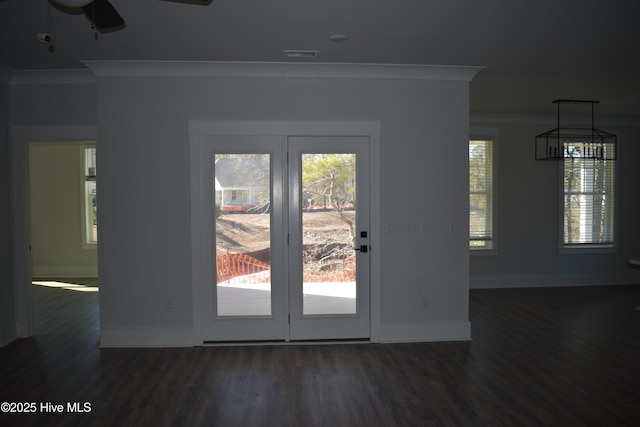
(62, 200)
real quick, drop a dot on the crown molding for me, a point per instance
(280, 69)
(43, 77)
(484, 119)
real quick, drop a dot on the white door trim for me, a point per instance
(202, 129)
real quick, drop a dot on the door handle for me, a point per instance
(362, 248)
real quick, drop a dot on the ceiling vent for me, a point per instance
(299, 53)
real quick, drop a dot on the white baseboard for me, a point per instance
(552, 280)
(145, 337)
(419, 332)
(151, 337)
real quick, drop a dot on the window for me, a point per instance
(89, 204)
(481, 194)
(588, 198)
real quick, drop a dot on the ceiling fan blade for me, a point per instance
(198, 2)
(103, 15)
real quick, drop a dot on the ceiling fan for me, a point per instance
(103, 15)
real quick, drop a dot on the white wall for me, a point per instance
(528, 206)
(55, 205)
(143, 159)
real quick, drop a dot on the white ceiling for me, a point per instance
(534, 51)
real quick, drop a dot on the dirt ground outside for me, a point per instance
(328, 247)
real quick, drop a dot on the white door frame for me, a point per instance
(202, 129)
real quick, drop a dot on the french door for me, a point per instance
(286, 238)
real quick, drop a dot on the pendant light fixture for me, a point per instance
(561, 143)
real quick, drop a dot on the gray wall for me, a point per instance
(43, 103)
(7, 312)
(143, 159)
(528, 206)
(143, 151)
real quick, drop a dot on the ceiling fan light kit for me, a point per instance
(586, 143)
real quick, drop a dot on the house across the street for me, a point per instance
(242, 183)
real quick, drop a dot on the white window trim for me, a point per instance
(489, 133)
(86, 244)
(588, 248)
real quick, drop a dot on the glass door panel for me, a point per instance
(243, 234)
(328, 233)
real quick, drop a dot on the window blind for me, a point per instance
(481, 194)
(90, 210)
(589, 198)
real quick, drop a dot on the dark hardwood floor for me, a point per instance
(539, 357)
